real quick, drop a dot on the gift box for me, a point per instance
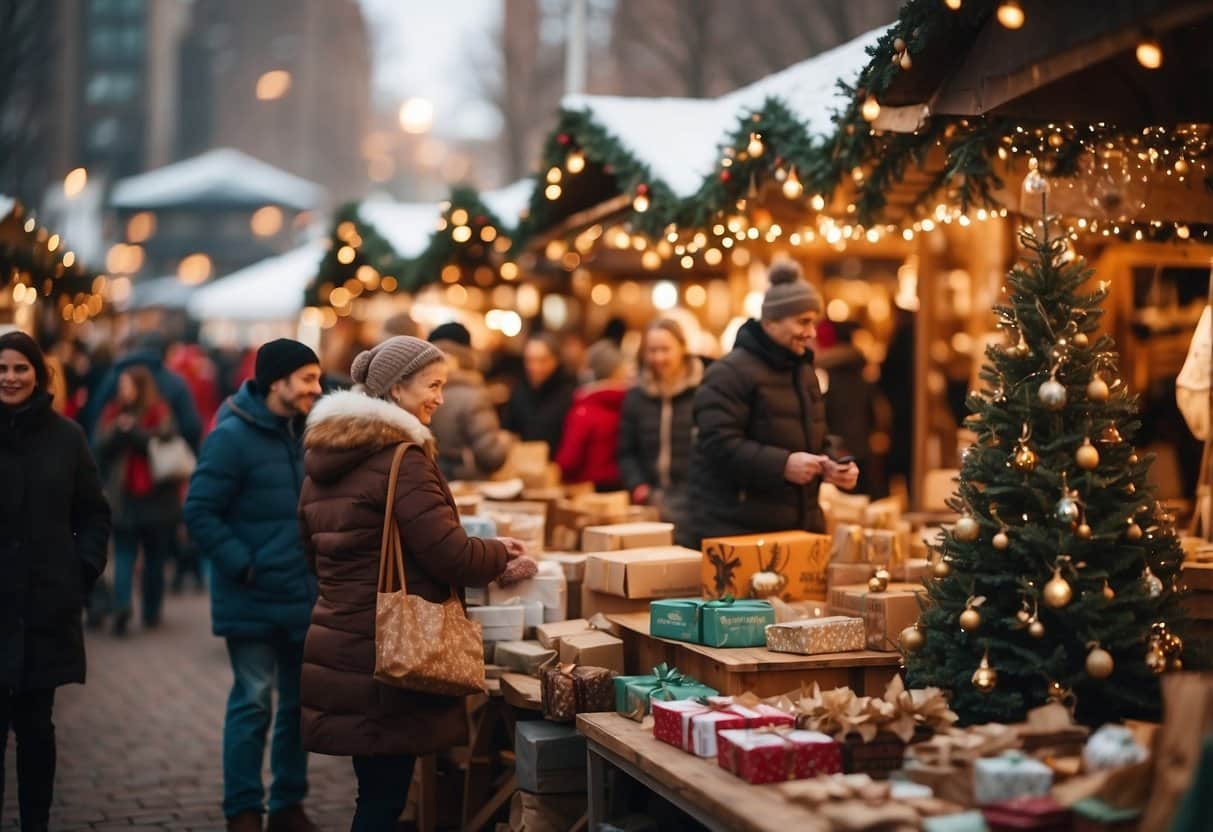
(566, 691)
(1039, 814)
(1095, 815)
(571, 563)
(544, 812)
(602, 603)
(477, 526)
(692, 725)
(878, 757)
(792, 563)
(848, 574)
(505, 623)
(1012, 774)
(604, 504)
(885, 614)
(679, 619)
(846, 545)
(959, 822)
(832, 634)
(884, 513)
(618, 536)
(736, 623)
(549, 757)
(594, 689)
(660, 572)
(522, 656)
(1111, 747)
(911, 571)
(666, 684)
(550, 634)
(884, 547)
(549, 588)
(775, 756)
(594, 648)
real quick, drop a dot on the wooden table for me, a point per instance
(764, 672)
(489, 780)
(714, 797)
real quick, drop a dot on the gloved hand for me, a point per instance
(518, 569)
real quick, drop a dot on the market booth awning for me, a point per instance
(270, 290)
(37, 263)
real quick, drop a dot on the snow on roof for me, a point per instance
(679, 138)
(268, 290)
(508, 202)
(223, 176)
(7, 203)
(407, 226)
(160, 293)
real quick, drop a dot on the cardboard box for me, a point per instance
(884, 513)
(593, 603)
(606, 504)
(848, 574)
(522, 656)
(571, 563)
(885, 614)
(500, 623)
(799, 558)
(659, 572)
(549, 635)
(549, 757)
(593, 649)
(846, 544)
(549, 588)
(626, 536)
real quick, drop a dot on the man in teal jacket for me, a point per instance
(242, 512)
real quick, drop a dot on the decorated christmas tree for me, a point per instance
(1058, 580)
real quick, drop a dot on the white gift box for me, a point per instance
(1112, 746)
(500, 623)
(548, 588)
(1009, 775)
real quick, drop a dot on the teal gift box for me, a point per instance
(725, 622)
(633, 694)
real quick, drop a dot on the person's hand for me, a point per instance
(802, 467)
(518, 569)
(845, 475)
(514, 548)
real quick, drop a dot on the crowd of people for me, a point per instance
(279, 487)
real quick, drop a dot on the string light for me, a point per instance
(575, 162)
(755, 146)
(1149, 53)
(1010, 14)
(871, 108)
(954, 5)
(792, 186)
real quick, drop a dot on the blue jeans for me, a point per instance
(383, 790)
(155, 542)
(256, 665)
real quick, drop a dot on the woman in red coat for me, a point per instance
(591, 430)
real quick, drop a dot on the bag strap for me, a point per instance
(391, 535)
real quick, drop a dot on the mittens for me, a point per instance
(518, 569)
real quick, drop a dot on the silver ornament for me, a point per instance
(1052, 394)
(1153, 583)
(1067, 509)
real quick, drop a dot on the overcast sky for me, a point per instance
(421, 48)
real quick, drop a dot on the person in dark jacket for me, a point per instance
(588, 447)
(352, 438)
(657, 425)
(851, 405)
(471, 443)
(56, 524)
(242, 511)
(758, 458)
(145, 512)
(539, 403)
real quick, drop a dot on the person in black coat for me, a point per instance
(539, 403)
(759, 454)
(657, 424)
(56, 523)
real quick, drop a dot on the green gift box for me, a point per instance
(677, 618)
(736, 623)
(633, 694)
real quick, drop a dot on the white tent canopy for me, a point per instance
(407, 226)
(160, 293)
(223, 176)
(268, 290)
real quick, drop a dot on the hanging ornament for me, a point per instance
(899, 45)
(1020, 349)
(985, 678)
(1052, 394)
(1153, 583)
(1156, 659)
(1024, 459)
(905, 61)
(755, 147)
(966, 529)
(1108, 592)
(970, 619)
(1024, 616)
(1036, 629)
(912, 639)
(1099, 663)
(1132, 459)
(1081, 340)
(793, 188)
(1067, 509)
(1133, 531)
(871, 108)
(942, 568)
(1083, 531)
(1057, 592)
(1087, 456)
(1002, 540)
(875, 584)
(1097, 390)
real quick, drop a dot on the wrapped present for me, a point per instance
(736, 623)
(1039, 814)
(549, 757)
(846, 546)
(809, 636)
(884, 513)
(878, 757)
(848, 574)
(522, 656)
(884, 547)
(594, 648)
(692, 724)
(885, 614)
(594, 689)
(659, 572)
(1052, 727)
(970, 821)
(550, 634)
(571, 563)
(1092, 814)
(1011, 774)
(680, 619)
(477, 526)
(501, 623)
(841, 507)
(633, 694)
(618, 536)
(566, 690)
(549, 588)
(604, 504)
(706, 728)
(774, 755)
(1112, 746)
(787, 565)
(593, 603)
(911, 571)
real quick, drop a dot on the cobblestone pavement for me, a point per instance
(139, 745)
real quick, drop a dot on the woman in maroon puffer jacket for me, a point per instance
(350, 441)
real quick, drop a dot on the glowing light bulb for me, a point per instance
(1010, 14)
(792, 187)
(871, 108)
(1149, 53)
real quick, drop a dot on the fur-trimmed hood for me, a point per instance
(347, 427)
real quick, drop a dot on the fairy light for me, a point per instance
(1010, 14)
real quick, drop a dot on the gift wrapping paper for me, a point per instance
(679, 619)
(557, 696)
(769, 757)
(593, 689)
(705, 728)
(1012, 774)
(522, 656)
(634, 693)
(885, 614)
(799, 559)
(730, 623)
(832, 634)
(672, 721)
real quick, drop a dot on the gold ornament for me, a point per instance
(1130, 489)
(1087, 456)
(1083, 531)
(1097, 390)
(1001, 541)
(1025, 458)
(1133, 532)
(970, 620)
(942, 568)
(1182, 166)
(1052, 394)
(1108, 592)
(985, 678)
(1023, 616)
(1175, 665)
(912, 639)
(1081, 340)
(1099, 663)
(906, 62)
(1036, 629)
(899, 45)
(877, 585)
(1132, 459)
(1111, 435)
(1058, 592)
(966, 529)
(1156, 659)
(883, 574)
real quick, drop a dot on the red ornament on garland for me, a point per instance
(642, 188)
(479, 219)
(608, 169)
(725, 176)
(563, 138)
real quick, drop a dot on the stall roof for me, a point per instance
(269, 290)
(508, 202)
(218, 177)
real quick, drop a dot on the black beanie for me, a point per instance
(452, 331)
(278, 359)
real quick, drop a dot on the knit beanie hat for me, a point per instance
(789, 294)
(378, 368)
(603, 358)
(452, 331)
(278, 359)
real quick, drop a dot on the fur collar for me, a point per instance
(352, 419)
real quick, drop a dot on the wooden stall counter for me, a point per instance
(734, 671)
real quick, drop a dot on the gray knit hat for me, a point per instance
(790, 294)
(378, 368)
